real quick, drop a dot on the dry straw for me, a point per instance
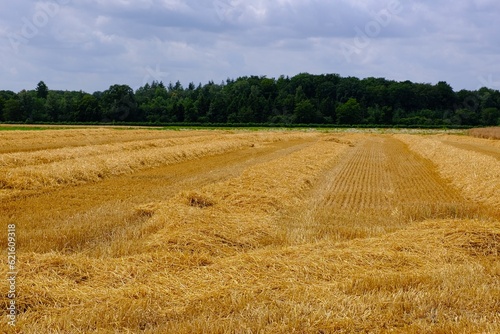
(29, 141)
(215, 260)
(477, 175)
(73, 166)
(489, 133)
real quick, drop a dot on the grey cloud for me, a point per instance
(91, 44)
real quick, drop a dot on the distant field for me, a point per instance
(252, 231)
(23, 128)
(489, 133)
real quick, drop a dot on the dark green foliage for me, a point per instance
(305, 112)
(304, 99)
(42, 90)
(88, 109)
(350, 112)
(118, 104)
(12, 110)
(490, 116)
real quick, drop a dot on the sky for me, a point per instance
(90, 45)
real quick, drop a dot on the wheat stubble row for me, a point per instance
(330, 233)
(377, 187)
(80, 165)
(474, 173)
(29, 141)
(72, 217)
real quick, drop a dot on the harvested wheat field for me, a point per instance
(128, 231)
(489, 133)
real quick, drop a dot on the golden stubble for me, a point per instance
(335, 233)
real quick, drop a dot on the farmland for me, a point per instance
(273, 231)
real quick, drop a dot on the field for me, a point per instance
(489, 133)
(137, 230)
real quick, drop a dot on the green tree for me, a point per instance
(490, 116)
(68, 104)
(305, 113)
(377, 115)
(118, 103)
(12, 111)
(39, 113)
(190, 114)
(217, 112)
(257, 102)
(42, 91)
(52, 106)
(245, 115)
(304, 98)
(348, 88)
(27, 104)
(88, 109)
(350, 112)
(444, 98)
(2, 103)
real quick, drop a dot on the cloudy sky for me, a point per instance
(91, 44)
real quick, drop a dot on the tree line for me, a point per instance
(302, 99)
